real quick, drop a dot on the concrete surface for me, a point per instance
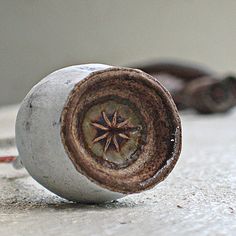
(198, 198)
(38, 37)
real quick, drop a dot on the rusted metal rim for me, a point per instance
(121, 129)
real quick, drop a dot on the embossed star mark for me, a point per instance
(113, 131)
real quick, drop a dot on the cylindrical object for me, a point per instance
(95, 133)
(209, 95)
(175, 76)
(193, 86)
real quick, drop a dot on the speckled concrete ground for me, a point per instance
(198, 198)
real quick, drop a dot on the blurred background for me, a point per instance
(38, 37)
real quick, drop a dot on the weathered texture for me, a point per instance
(135, 94)
(198, 198)
(56, 143)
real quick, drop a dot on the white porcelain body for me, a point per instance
(39, 141)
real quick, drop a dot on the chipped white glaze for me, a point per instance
(39, 142)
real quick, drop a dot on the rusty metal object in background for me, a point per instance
(210, 95)
(194, 86)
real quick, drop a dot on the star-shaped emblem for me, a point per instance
(112, 131)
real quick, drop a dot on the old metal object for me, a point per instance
(174, 76)
(192, 86)
(95, 133)
(209, 95)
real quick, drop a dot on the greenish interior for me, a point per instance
(128, 147)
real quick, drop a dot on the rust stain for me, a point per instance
(7, 159)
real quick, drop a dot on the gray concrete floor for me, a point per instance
(198, 198)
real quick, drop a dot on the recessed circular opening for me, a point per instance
(113, 131)
(121, 129)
